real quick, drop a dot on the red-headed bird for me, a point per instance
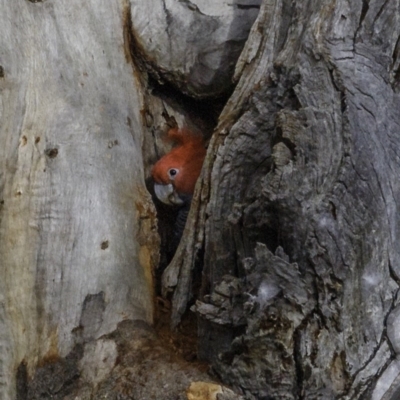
(176, 173)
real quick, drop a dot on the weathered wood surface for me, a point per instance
(297, 203)
(194, 44)
(83, 110)
(78, 238)
(302, 223)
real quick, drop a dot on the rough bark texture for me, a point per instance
(84, 103)
(295, 218)
(301, 266)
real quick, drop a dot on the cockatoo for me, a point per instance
(176, 173)
(175, 177)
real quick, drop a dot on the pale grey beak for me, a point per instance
(167, 194)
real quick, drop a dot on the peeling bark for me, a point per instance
(303, 172)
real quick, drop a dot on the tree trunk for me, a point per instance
(301, 266)
(77, 235)
(85, 97)
(290, 249)
(299, 298)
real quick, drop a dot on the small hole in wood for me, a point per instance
(104, 245)
(37, 139)
(113, 143)
(51, 153)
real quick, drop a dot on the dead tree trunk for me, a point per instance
(295, 218)
(299, 297)
(77, 226)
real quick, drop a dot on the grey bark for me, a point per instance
(193, 44)
(295, 217)
(78, 239)
(81, 126)
(299, 198)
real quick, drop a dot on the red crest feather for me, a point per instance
(187, 157)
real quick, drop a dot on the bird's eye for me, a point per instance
(173, 172)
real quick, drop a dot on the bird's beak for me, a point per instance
(167, 194)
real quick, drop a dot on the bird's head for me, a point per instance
(176, 173)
